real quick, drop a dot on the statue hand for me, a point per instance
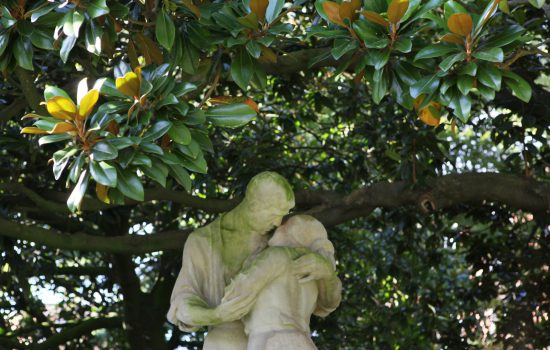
(234, 306)
(312, 267)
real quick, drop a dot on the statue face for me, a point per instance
(264, 219)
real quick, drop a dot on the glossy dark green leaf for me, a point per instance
(103, 173)
(97, 8)
(197, 165)
(492, 55)
(465, 83)
(230, 116)
(157, 172)
(180, 133)
(403, 45)
(76, 167)
(4, 41)
(490, 76)
(103, 151)
(181, 175)
(41, 39)
(436, 50)
(241, 68)
(380, 86)
(78, 192)
(22, 50)
(142, 159)
(273, 10)
(66, 47)
(165, 30)
(183, 88)
(448, 62)
(519, 86)
(507, 36)
(254, 49)
(129, 184)
(160, 128)
(343, 46)
(41, 11)
(425, 85)
(151, 148)
(461, 106)
(469, 68)
(44, 140)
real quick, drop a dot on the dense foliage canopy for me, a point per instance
(416, 131)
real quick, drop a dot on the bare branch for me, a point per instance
(80, 329)
(128, 244)
(330, 208)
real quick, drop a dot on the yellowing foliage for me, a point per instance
(460, 23)
(397, 10)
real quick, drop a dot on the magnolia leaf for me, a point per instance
(129, 184)
(460, 23)
(165, 30)
(231, 115)
(397, 10)
(61, 107)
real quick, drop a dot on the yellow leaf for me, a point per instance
(452, 38)
(460, 23)
(258, 7)
(128, 84)
(427, 117)
(102, 193)
(376, 18)
(62, 128)
(61, 108)
(348, 10)
(332, 10)
(87, 103)
(397, 10)
(33, 130)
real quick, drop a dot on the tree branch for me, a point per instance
(330, 208)
(83, 328)
(28, 86)
(13, 109)
(128, 244)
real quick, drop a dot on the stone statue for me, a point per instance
(279, 287)
(290, 280)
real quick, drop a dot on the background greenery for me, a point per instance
(439, 217)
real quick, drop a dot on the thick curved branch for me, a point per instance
(82, 328)
(445, 191)
(128, 244)
(331, 209)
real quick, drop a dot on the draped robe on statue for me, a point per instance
(201, 282)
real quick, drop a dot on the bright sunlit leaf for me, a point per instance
(61, 107)
(87, 103)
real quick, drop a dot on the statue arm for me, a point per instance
(314, 266)
(188, 308)
(330, 295)
(240, 295)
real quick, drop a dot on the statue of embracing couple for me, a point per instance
(256, 292)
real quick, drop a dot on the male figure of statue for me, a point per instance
(214, 254)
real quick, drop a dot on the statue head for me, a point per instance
(304, 231)
(268, 198)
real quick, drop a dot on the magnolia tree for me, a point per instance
(128, 123)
